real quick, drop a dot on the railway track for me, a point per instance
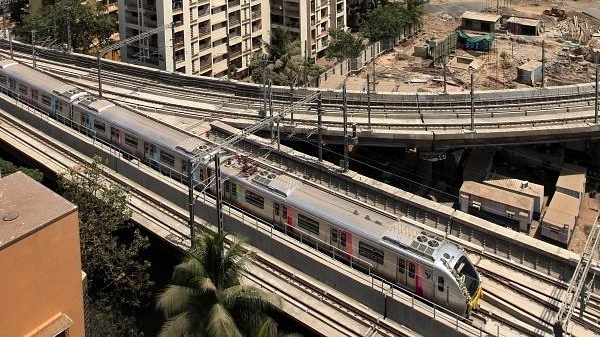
(528, 103)
(365, 320)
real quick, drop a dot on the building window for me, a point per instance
(255, 199)
(166, 158)
(370, 252)
(308, 224)
(441, 283)
(132, 141)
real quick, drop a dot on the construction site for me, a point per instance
(505, 44)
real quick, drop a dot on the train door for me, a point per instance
(54, 108)
(83, 122)
(401, 272)
(341, 241)
(442, 293)
(414, 281)
(287, 217)
(276, 216)
(428, 283)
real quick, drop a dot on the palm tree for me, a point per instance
(207, 298)
(285, 55)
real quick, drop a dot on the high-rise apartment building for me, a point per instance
(209, 37)
(218, 37)
(309, 21)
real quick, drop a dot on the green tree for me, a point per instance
(88, 24)
(390, 19)
(7, 168)
(283, 64)
(118, 278)
(207, 298)
(344, 45)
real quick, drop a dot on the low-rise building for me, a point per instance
(524, 26)
(530, 72)
(560, 218)
(480, 22)
(523, 187)
(496, 204)
(40, 264)
(571, 181)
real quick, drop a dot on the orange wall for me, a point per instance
(40, 276)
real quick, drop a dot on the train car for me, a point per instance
(400, 250)
(149, 141)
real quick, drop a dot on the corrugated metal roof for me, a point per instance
(572, 177)
(563, 210)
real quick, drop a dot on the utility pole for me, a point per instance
(219, 197)
(12, 55)
(264, 82)
(69, 45)
(596, 105)
(445, 68)
(271, 111)
(345, 114)
(33, 47)
(191, 200)
(543, 63)
(369, 102)
(472, 105)
(319, 129)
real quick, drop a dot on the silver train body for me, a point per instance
(401, 250)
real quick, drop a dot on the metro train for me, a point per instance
(401, 250)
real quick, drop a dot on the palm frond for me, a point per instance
(220, 323)
(177, 326)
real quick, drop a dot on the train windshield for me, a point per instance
(464, 268)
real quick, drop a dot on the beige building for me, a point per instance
(522, 187)
(571, 181)
(485, 200)
(560, 218)
(309, 21)
(40, 265)
(209, 36)
(218, 37)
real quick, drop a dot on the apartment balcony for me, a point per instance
(256, 15)
(234, 21)
(235, 54)
(177, 6)
(179, 43)
(203, 2)
(256, 29)
(203, 31)
(179, 59)
(204, 12)
(203, 46)
(205, 66)
(234, 3)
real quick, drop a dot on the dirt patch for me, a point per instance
(399, 70)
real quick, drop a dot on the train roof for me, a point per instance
(41, 81)
(150, 129)
(378, 227)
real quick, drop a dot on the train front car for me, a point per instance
(465, 274)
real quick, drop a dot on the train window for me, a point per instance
(441, 283)
(46, 100)
(113, 132)
(370, 252)
(166, 158)
(23, 89)
(183, 166)
(276, 208)
(401, 266)
(100, 126)
(343, 239)
(284, 212)
(411, 270)
(133, 142)
(34, 94)
(233, 191)
(334, 235)
(308, 224)
(255, 199)
(227, 187)
(2, 80)
(60, 106)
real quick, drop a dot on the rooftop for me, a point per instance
(520, 186)
(496, 194)
(523, 21)
(530, 66)
(563, 210)
(572, 177)
(480, 16)
(27, 206)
